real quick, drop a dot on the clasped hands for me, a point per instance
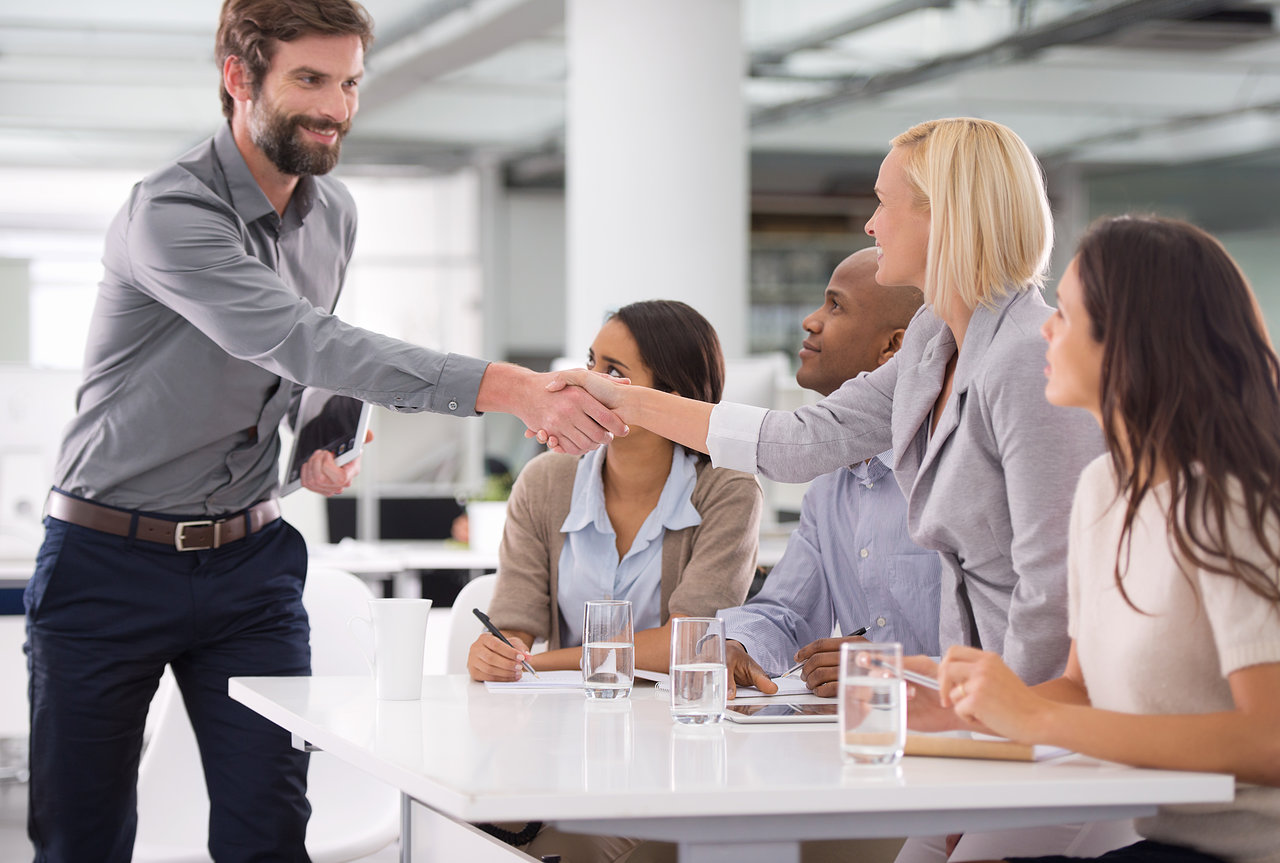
(600, 397)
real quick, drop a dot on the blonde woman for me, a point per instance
(987, 465)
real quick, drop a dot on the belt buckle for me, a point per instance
(180, 542)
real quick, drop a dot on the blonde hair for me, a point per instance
(990, 228)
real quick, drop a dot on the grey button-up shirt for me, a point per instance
(211, 307)
(990, 489)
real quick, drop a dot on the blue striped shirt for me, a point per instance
(850, 564)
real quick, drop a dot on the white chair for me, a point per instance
(353, 815)
(464, 627)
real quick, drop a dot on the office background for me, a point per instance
(721, 152)
(462, 163)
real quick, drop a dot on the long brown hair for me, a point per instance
(1189, 387)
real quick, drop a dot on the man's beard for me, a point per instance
(277, 135)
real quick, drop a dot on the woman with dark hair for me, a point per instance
(641, 519)
(1174, 573)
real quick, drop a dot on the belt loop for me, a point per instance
(248, 522)
(132, 538)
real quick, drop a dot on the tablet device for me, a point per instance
(781, 711)
(325, 421)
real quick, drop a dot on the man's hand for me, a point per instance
(605, 389)
(567, 415)
(322, 474)
(821, 658)
(490, 659)
(745, 671)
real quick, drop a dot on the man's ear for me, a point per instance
(891, 346)
(235, 78)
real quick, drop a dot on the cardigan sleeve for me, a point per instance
(523, 598)
(720, 557)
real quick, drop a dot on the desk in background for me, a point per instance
(726, 792)
(400, 560)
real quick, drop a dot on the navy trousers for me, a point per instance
(104, 616)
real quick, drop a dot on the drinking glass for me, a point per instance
(608, 648)
(873, 716)
(698, 675)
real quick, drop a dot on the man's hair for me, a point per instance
(250, 29)
(990, 227)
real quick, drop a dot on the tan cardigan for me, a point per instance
(704, 568)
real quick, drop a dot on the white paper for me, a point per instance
(567, 679)
(787, 686)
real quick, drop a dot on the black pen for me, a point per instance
(861, 630)
(488, 624)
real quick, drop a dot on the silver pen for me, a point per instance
(909, 675)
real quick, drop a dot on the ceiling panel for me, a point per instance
(133, 83)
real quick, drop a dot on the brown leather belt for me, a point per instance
(183, 535)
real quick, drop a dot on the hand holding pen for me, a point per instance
(488, 624)
(860, 631)
(823, 660)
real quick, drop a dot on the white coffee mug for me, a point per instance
(399, 640)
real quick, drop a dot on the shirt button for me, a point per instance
(871, 485)
(453, 405)
(880, 621)
(863, 553)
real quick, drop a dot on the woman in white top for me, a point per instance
(641, 519)
(1175, 540)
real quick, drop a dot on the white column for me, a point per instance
(656, 171)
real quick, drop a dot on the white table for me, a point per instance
(742, 793)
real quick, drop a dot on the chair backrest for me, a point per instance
(332, 597)
(353, 815)
(464, 628)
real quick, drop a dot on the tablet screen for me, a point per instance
(781, 711)
(325, 421)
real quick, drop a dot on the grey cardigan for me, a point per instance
(704, 568)
(991, 490)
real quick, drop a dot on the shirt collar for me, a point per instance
(247, 197)
(675, 507)
(873, 469)
(978, 334)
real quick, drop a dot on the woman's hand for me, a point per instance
(490, 659)
(985, 693)
(924, 711)
(605, 389)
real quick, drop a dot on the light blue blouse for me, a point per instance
(589, 564)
